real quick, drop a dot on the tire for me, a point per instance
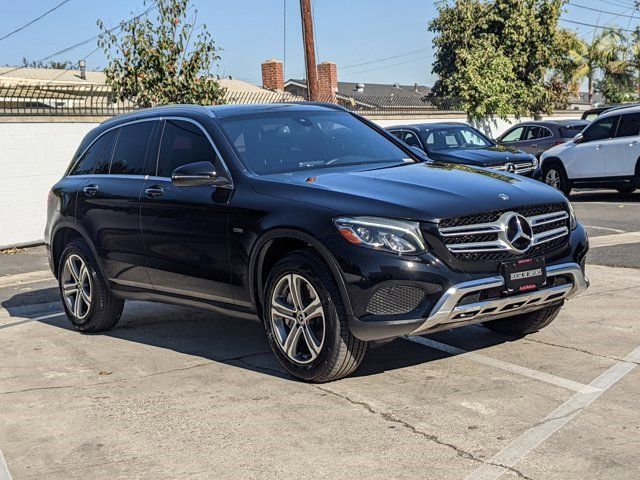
(626, 190)
(333, 352)
(554, 176)
(95, 309)
(525, 323)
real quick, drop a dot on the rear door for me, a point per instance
(185, 228)
(623, 163)
(529, 141)
(590, 157)
(108, 203)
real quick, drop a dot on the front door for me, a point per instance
(108, 202)
(185, 228)
(623, 164)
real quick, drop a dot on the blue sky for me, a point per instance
(348, 32)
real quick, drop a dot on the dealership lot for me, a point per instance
(173, 392)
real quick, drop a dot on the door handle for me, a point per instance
(90, 190)
(598, 147)
(634, 143)
(154, 192)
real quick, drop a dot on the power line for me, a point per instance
(595, 26)
(83, 42)
(34, 20)
(601, 11)
(385, 59)
(421, 59)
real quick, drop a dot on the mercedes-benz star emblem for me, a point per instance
(510, 167)
(518, 232)
(503, 196)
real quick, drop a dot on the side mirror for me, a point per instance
(198, 174)
(579, 138)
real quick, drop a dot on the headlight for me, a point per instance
(573, 221)
(534, 161)
(397, 236)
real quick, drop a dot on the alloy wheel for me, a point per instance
(552, 178)
(297, 318)
(76, 286)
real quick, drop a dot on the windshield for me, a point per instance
(455, 137)
(277, 142)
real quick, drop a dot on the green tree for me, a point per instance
(517, 37)
(57, 64)
(620, 65)
(162, 61)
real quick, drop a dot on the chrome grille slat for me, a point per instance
(471, 240)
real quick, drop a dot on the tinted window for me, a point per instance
(183, 143)
(532, 133)
(629, 125)
(397, 133)
(455, 137)
(275, 142)
(98, 154)
(600, 129)
(131, 149)
(411, 139)
(514, 135)
(545, 133)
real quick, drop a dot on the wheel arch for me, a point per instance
(278, 242)
(60, 238)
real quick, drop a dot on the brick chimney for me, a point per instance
(328, 81)
(273, 75)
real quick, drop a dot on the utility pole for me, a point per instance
(309, 50)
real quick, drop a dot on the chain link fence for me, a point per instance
(99, 100)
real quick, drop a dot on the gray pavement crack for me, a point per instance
(390, 417)
(155, 374)
(581, 350)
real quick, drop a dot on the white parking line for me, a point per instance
(24, 278)
(609, 229)
(509, 367)
(4, 470)
(28, 320)
(530, 439)
(616, 239)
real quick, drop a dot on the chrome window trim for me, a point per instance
(159, 118)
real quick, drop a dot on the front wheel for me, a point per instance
(525, 323)
(555, 177)
(306, 322)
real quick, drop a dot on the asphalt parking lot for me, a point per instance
(179, 393)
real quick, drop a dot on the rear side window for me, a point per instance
(514, 135)
(601, 129)
(183, 143)
(397, 133)
(96, 157)
(629, 125)
(131, 149)
(412, 140)
(545, 133)
(532, 133)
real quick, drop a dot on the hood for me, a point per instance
(557, 150)
(423, 192)
(485, 157)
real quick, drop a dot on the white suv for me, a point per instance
(605, 154)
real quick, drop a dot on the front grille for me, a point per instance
(520, 168)
(395, 300)
(477, 237)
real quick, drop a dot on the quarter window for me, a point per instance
(183, 143)
(131, 149)
(600, 129)
(411, 139)
(629, 125)
(98, 155)
(514, 135)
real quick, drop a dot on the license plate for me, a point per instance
(524, 275)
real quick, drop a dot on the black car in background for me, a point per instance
(314, 220)
(593, 113)
(461, 144)
(537, 137)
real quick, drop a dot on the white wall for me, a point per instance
(33, 156)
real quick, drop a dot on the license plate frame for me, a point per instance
(524, 275)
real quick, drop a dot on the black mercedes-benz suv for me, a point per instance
(326, 227)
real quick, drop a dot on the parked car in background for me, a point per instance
(318, 222)
(593, 113)
(605, 155)
(462, 144)
(536, 137)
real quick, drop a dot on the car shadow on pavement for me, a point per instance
(240, 342)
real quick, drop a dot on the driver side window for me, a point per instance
(602, 129)
(514, 135)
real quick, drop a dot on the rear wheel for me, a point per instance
(305, 320)
(86, 299)
(554, 176)
(525, 323)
